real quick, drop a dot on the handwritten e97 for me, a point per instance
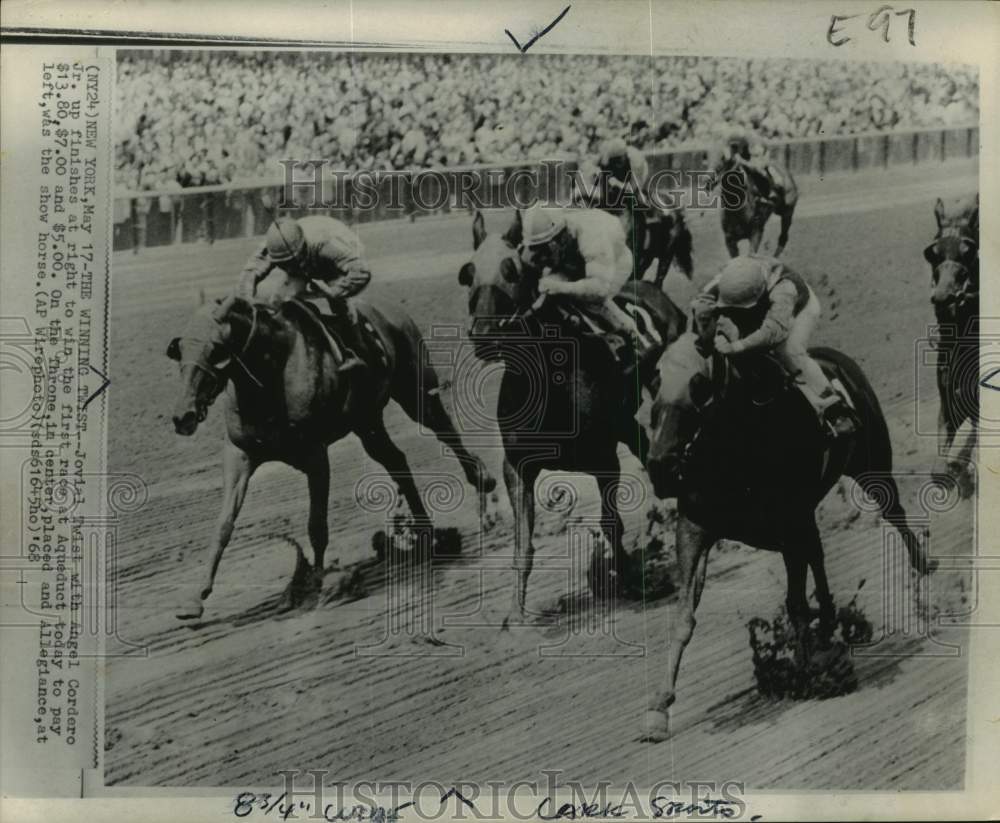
(882, 19)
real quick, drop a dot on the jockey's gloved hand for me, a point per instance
(723, 346)
(551, 284)
(726, 328)
(334, 290)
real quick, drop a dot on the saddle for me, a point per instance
(372, 351)
(635, 369)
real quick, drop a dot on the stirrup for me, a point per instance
(839, 421)
(351, 361)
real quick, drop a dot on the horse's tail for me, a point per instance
(873, 449)
(870, 460)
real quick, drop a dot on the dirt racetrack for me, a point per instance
(247, 691)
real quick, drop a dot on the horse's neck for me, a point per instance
(257, 372)
(961, 330)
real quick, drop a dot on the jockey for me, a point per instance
(759, 304)
(322, 252)
(749, 151)
(582, 254)
(627, 172)
(625, 165)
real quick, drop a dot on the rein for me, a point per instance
(527, 313)
(218, 374)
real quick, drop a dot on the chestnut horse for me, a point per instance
(286, 401)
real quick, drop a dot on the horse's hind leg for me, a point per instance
(379, 446)
(786, 224)
(732, 245)
(237, 468)
(663, 267)
(881, 487)
(612, 528)
(682, 249)
(420, 400)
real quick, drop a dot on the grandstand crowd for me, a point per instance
(188, 118)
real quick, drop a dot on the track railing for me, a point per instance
(209, 213)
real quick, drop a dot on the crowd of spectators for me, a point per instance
(189, 118)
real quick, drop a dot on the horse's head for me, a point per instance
(954, 260)
(204, 353)
(499, 285)
(685, 388)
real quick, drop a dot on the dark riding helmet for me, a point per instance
(285, 240)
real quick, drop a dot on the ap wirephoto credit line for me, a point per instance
(553, 413)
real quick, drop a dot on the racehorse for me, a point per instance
(285, 401)
(560, 404)
(954, 260)
(755, 465)
(651, 233)
(664, 238)
(745, 210)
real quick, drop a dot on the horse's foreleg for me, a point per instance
(521, 489)
(796, 602)
(812, 546)
(317, 469)
(663, 267)
(237, 467)
(693, 544)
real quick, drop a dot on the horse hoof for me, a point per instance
(655, 726)
(929, 566)
(191, 611)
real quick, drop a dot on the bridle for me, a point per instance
(957, 267)
(218, 373)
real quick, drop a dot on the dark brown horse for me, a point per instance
(651, 233)
(564, 402)
(954, 260)
(286, 401)
(744, 208)
(747, 461)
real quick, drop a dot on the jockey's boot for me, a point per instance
(775, 189)
(840, 419)
(350, 337)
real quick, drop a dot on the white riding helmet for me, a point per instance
(742, 283)
(539, 225)
(615, 147)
